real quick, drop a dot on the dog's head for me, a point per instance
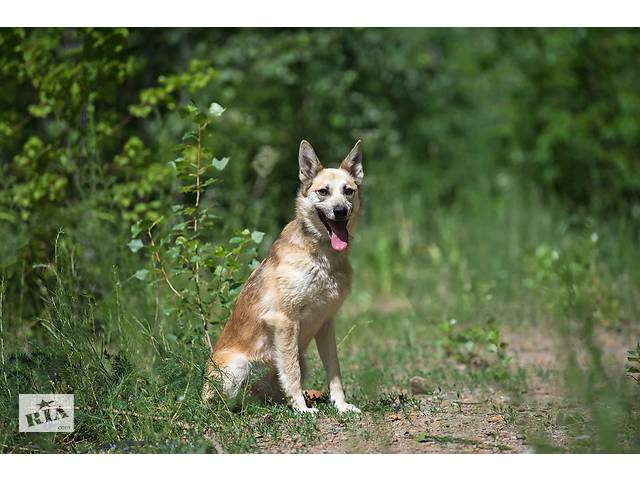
(329, 198)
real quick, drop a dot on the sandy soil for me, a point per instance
(472, 422)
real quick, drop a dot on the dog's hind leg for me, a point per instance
(226, 372)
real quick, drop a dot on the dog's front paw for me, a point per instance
(306, 409)
(345, 407)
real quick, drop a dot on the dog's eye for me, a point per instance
(323, 192)
(348, 191)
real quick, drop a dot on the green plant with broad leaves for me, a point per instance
(477, 345)
(203, 277)
(573, 280)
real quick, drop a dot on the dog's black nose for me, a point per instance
(340, 213)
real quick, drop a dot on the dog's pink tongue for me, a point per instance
(338, 243)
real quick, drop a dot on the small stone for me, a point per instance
(421, 386)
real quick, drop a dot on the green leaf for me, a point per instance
(257, 236)
(216, 109)
(190, 136)
(39, 111)
(179, 226)
(173, 252)
(135, 245)
(136, 229)
(174, 163)
(254, 264)
(208, 182)
(220, 164)
(140, 111)
(141, 274)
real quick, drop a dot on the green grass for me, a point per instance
(433, 295)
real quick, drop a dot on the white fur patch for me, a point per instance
(234, 374)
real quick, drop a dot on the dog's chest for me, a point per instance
(318, 286)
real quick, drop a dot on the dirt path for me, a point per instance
(464, 425)
(467, 421)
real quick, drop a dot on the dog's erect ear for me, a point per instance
(309, 163)
(353, 163)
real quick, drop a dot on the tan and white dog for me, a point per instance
(295, 293)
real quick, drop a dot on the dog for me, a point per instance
(295, 293)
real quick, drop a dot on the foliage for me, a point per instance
(183, 253)
(467, 345)
(75, 153)
(577, 122)
(573, 279)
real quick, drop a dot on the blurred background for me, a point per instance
(502, 197)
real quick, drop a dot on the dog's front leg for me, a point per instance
(326, 342)
(287, 362)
